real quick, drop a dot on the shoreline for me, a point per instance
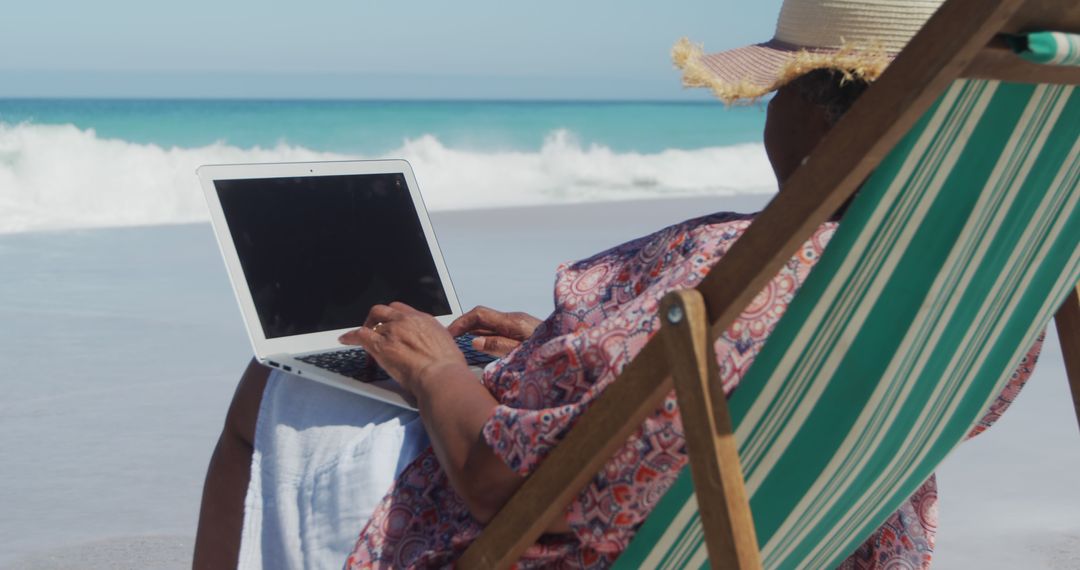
(676, 205)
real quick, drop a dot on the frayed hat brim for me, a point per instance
(748, 73)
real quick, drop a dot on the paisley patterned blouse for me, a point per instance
(605, 310)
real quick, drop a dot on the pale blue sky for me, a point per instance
(363, 48)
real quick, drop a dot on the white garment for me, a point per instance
(323, 460)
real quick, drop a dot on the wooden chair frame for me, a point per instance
(961, 40)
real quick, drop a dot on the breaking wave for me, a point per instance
(60, 176)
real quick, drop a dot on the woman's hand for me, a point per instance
(422, 355)
(497, 333)
(407, 343)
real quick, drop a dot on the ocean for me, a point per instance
(70, 163)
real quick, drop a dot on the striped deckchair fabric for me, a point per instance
(950, 261)
(1051, 48)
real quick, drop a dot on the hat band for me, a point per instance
(833, 24)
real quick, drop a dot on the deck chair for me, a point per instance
(950, 261)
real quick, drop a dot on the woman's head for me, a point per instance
(821, 58)
(800, 114)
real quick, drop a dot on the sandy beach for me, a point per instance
(122, 348)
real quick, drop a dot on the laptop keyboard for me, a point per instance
(354, 362)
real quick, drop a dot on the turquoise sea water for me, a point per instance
(378, 126)
(81, 163)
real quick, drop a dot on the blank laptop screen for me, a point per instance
(318, 252)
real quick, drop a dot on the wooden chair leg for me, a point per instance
(1068, 327)
(714, 455)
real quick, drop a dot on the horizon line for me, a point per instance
(353, 99)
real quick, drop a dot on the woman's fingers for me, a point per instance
(387, 313)
(481, 320)
(497, 332)
(377, 325)
(495, 345)
(403, 308)
(363, 337)
(523, 323)
(471, 321)
(382, 314)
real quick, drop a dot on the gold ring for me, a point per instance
(375, 329)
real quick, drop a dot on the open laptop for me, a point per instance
(311, 247)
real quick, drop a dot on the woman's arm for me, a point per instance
(454, 408)
(421, 354)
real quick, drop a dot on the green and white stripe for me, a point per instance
(946, 267)
(1052, 48)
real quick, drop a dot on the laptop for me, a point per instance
(311, 247)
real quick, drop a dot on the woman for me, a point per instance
(487, 437)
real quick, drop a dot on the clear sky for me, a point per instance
(565, 49)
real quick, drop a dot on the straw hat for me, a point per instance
(858, 37)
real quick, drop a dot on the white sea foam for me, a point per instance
(60, 176)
